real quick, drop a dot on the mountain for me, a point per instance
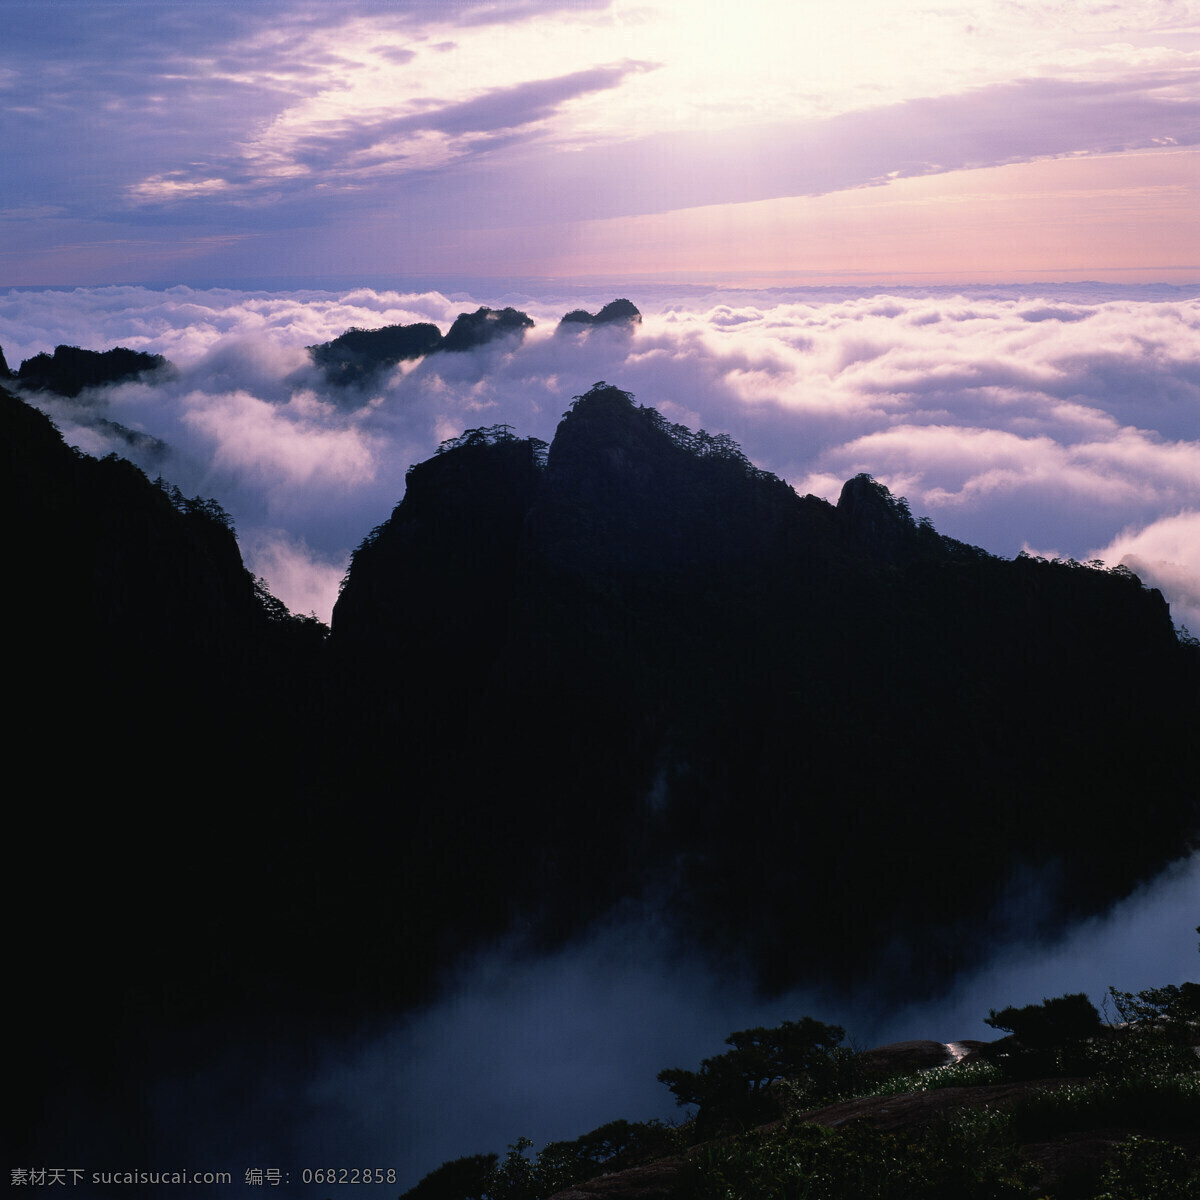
(358, 357)
(821, 742)
(615, 312)
(154, 679)
(70, 370)
(485, 325)
(759, 701)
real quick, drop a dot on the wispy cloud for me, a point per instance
(337, 153)
(314, 128)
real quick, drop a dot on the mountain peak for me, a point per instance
(615, 312)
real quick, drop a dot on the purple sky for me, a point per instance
(887, 140)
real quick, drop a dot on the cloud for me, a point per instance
(987, 126)
(312, 113)
(295, 574)
(367, 136)
(1147, 940)
(1007, 432)
(1165, 554)
(340, 151)
(291, 445)
(115, 88)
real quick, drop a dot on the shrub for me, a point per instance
(1163, 1104)
(1057, 1022)
(963, 1161)
(954, 1075)
(735, 1087)
(1145, 1169)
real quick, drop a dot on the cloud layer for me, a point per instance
(1064, 419)
(1066, 422)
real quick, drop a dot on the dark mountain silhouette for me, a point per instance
(615, 311)
(358, 356)
(766, 699)
(5, 373)
(70, 370)
(629, 665)
(485, 325)
(159, 689)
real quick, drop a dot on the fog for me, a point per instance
(1058, 419)
(551, 1046)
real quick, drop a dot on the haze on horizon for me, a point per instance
(885, 141)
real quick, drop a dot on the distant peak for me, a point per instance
(614, 312)
(485, 325)
(70, 370)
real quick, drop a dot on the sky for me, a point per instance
(885, 140)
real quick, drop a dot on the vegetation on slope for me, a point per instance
(1114, 1114)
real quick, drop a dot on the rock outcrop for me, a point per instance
(358, 357)
(485, 325)
(615, 312)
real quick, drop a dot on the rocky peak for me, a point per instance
(359, 356)
(70, 370)
(614, 312)
(445, 557)
(605, 443)
(485, 325)
(875, 521)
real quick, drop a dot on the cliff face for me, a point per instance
(442, 567)
(154, 685)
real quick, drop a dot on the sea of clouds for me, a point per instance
(1062, 419)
